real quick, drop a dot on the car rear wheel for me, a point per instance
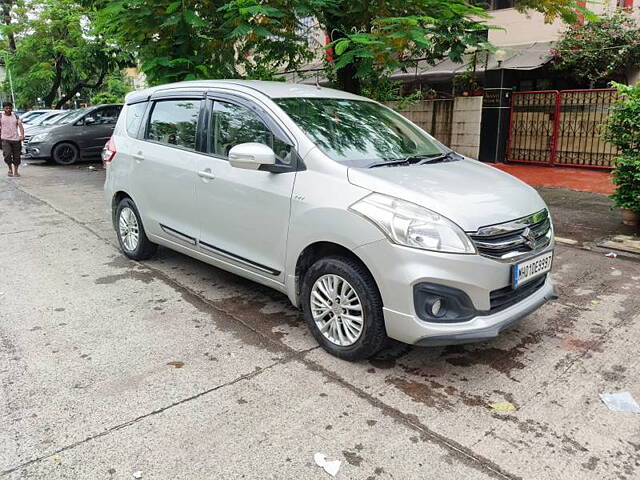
(343, 308)
(131, 235)
(65, 153)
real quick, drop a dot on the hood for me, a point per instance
(467, 192)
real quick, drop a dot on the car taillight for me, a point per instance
(108, 152)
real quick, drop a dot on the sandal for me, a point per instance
(10, 174)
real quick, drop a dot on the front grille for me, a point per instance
(27, 138)
(514, 239)
(507, 296)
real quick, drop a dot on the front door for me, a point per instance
(163, 170)
(94, 135)
(244, 214)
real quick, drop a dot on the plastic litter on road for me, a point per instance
(330, 466)
(137, 474)
(503, 406)
(620, 402)
(611, 255)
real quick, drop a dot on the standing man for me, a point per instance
(11, 134)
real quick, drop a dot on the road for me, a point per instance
(182, 371)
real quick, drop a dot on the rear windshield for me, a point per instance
(358, 133)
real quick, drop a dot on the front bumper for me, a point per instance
(36, 150)
(397, 269)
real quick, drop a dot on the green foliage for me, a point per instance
(116, 87)
(626, 176)
(58, 51)
(464, 82)
(173, 40)
(188, 39)
(601, 48)
(623, 130)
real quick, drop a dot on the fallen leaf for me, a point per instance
(503, 406)
(176, 364)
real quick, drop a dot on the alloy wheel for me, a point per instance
(337, 310)
(128, 227)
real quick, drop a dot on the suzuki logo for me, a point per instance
(529, 238)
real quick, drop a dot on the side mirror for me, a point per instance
(89, 121)
(251, 156)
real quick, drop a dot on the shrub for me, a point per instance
(623, 130)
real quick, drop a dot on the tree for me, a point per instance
(11, 10)
(600, 49)
(58, 54)
(172, 40)
(116, 86)
(185, 39)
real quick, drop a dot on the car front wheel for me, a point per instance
(65, 153)
(131, 235)
(343, 308)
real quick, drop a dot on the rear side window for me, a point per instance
(135, 113)
(174, 122)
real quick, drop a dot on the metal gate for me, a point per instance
(561, 128)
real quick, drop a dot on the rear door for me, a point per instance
(163, 165)
(244, 214)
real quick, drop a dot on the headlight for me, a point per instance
(410, 225)
(41, 137)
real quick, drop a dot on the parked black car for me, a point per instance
(82, 136)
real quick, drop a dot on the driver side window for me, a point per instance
(233, 124)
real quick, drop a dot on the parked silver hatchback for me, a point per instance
(369, 225)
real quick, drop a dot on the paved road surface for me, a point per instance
(183, 371)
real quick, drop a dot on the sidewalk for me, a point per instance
(581, 179)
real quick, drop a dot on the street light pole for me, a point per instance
(13, 97)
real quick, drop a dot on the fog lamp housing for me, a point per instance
(442, 304)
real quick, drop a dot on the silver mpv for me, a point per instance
(369, 225)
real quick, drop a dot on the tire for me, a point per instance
(130, 231)
(65, 153)
(372, 336)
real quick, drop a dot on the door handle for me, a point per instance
(138, 157)
(206, 173)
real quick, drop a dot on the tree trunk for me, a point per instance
(79, 86)
(57, 80)
(348, 80)
(346, 75)
(6, 14)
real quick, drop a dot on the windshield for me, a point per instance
(31, 116)
(76, 115)
(43, 119)
(58, 119)
(359, 133)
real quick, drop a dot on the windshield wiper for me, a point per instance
(450, 156)
(412, 159)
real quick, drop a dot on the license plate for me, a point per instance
(523, 272)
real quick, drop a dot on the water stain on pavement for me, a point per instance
(352, 458)
(434, 394)
(144, 277)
